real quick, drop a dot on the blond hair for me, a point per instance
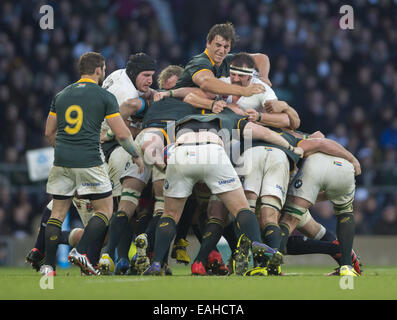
(168, 72)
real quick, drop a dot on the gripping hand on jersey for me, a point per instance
(252, 114)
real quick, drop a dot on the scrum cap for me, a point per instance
(138, 63)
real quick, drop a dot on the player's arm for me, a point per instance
(124, 137)
(51, 128)
(132, 107)
(330, 147)
(276, 120)
(262, 63)
(277, 106)
(149, 95)
(206, 80)
(262, 133)
(179, 93)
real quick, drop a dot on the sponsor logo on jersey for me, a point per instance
(222, 182)
(298, 184)
(338, 163)
(91, 184)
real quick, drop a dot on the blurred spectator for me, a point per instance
(388, 137)
(388, 223)
(342, 82)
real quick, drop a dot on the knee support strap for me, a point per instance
(130, 195)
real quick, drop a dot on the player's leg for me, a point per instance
(178, 251)
(212, 232)
(53, 230)
(131, 192)
(294, 211)
(62, 185)
(36, 256)
(269, 215)
(157, 212)
(165, 232)
(178, 186)
(94, 233)
(99, 192)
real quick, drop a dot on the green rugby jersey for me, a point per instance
(80, 109)
(227, 121)
(199, 63)
(167, 109)
(292, 140)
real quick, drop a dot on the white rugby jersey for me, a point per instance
(255, 101)
(121, 86)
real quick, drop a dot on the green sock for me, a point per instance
(345, 229)
(285, 231)
(247, 224)
(212, 234)
(125, 242)
(118, 224)
(95, 231)
(272, 235)
(52, 240)
(165, 232)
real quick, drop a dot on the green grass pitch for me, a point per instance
(300, 282)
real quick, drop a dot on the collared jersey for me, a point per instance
(199, 63)
(80, 109)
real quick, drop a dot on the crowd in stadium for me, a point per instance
(342, 82)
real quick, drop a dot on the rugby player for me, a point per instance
(131, 87)
(73, 129)
(204, 70)
(325, 177)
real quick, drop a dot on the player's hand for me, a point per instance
(219, 106)
(252, 114)
(317, 134)
(299, 151)
(357, 167)
(104, 137)
(160, 95)
(139, 162)
(275, 106)
(252, 89)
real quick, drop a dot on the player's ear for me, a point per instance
(99, 71)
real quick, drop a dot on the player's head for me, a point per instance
(140, 69)
(242, 67)
(220, 39)
(92, 64)
(169, 76)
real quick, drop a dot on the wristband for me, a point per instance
(171, 93)
(143, 106)
(291, 148)
(212, 104)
